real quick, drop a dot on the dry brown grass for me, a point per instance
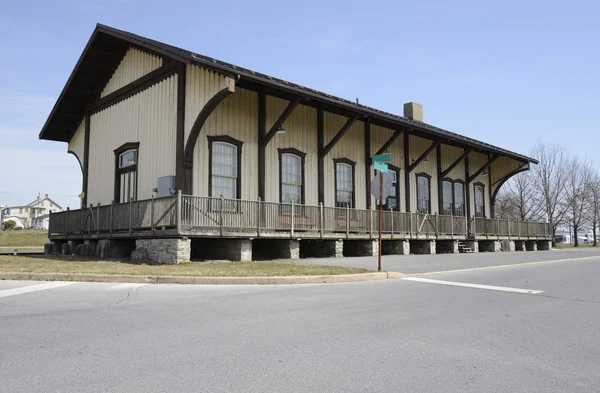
(74, 265)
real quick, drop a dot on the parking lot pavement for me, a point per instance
(514, 329)
(414, 264)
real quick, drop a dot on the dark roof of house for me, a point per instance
(108, 45)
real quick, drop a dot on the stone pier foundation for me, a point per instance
(321, 248)
(544, 245)
(267, 249)
(490, 246)
(237, 250)
(162, 251)
(361, 248)
(508, 245)
(423, 247)
(447, 247)
(520, 245)
(395, 247)
(531, 245)
(115, 249)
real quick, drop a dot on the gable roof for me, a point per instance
(108, 45)
(38, 201)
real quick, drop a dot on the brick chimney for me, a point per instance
(413, 111)
(46, 195)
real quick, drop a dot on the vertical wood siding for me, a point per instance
(502, 167)
(476, 161)
(379, 136)
(351, 146)
(149, 118)
(134, 65)
(301, 134)
(416, 147)
(237, 117)
(200, 86)
(449, 155)
(76, 144)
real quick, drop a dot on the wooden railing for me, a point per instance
(139, 216)
(185, 214)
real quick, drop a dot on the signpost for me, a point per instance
(382, 193)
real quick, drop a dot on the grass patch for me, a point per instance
(73, 265)
(23, 238)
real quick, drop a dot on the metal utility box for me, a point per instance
(166, 186)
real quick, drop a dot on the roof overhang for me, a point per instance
(107, 46)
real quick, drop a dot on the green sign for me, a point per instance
(386, 157)
(380, 166)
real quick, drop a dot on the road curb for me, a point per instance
(330, 279)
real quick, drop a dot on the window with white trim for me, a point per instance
(479, 200)
(344, 185)
(423, 194)
(291, 178)
(224, 170)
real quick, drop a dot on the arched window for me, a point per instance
(459, 198)
(126, 168)
(225, 155)
(447, 198)
(453, 197)
(479, 200)
(291, 176)
(344, 182)
(423, 193)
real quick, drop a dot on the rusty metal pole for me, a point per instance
(380, 220)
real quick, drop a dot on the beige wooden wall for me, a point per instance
(200, 86)
(476, 161)
(351, 146)
(417, 146)
(149, 118)
(77, 142)
(134, 65)
(379, 136)
(236, 116)
(449, 155)
(301, 127)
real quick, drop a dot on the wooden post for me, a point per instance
(259, 213)
(321, 218)
(178, 211)
(452, 226)
(437, 225)
(370, 223)
(292, 220)
(98, 220)
(498, 227)
(347, 221)
(110, 224)
(392, 221)
(130, 214)
(152, 215)
(221, 216)
(66, 222)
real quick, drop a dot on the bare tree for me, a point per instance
(523, 197)
(594, 205)
(579, 185)
(550, 180)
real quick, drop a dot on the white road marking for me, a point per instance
(33, 288)
(125, 286)
(478, 286)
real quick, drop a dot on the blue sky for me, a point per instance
(509, 73)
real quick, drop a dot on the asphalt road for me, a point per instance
(412, 264)
(382, 336)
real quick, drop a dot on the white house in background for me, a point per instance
(40, 222)
(25, 215)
